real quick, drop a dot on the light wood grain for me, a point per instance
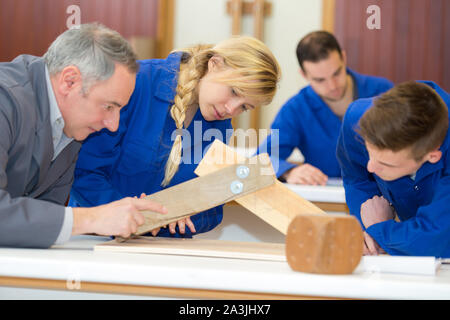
(277, 204)
(130, 289)
(203, 193)
(199, 247)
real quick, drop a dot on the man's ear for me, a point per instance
(303, 74)
(215, 63)
(69, 79)
(434, 156)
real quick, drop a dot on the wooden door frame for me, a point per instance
(165, 28)
(328, 7)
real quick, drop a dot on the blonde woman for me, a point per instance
(179, 106)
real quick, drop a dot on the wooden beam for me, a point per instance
(258, 19)
(165, 28)
(277, 204)
(328, 13)
(131, 289)
(247, 7)
(203, 193)
(236, 7)
(258, 32)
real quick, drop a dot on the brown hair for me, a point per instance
(316, 46)
(410, 115)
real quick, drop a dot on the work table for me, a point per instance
(75, 267)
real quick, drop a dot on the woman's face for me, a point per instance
(219, 101)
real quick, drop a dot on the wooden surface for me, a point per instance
(203, 193)
(235, 10)
(329, 244)
(156, 291)
(277, 205)
(328, 15)
(332, 206)
(199, 247)
(258, 19)
(325, 206)
(165, 28)
(248, 7)
(76, 263)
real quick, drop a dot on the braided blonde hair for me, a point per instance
(255, 73)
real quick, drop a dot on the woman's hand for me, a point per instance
(306, 174)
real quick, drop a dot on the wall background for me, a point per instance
(208, 22)
(30, 26)
(412, 43)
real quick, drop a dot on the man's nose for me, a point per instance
(112, 121)
(332, 84)
(371, 166)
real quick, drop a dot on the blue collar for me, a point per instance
(168, 71)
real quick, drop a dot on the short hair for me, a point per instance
(316, 46)
(93, 49)
(410, 115)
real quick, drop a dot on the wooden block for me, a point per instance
(198, 247)
(329, 244)
(316, 242)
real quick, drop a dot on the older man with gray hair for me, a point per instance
(48, 105)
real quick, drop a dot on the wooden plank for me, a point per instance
(209, 191)
(198, 247)
(277, 204)
(247, 7)
(165, 28)
(328, 7)
(315, 242)
(236, 16)
(258, 19)
(258, 33)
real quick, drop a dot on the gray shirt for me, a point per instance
(60, 141)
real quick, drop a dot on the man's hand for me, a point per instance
(371, 247)
(376, 210)
(181, 225)
(118, 218)
(305, 174)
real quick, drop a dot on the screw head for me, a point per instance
(236, 187)
(242, 172)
